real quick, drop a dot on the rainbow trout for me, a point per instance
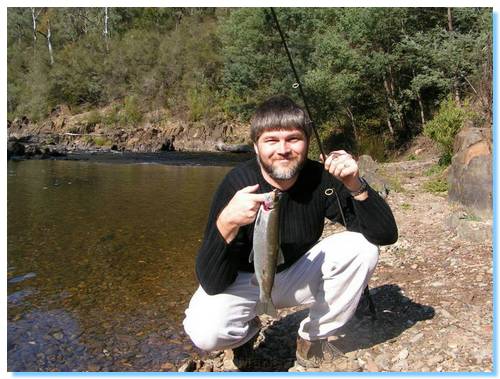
(266, 253)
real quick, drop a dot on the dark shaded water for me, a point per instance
(101, 262)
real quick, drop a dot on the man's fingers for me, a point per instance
(249, 189)
(258, 197)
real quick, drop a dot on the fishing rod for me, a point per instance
(298, 85)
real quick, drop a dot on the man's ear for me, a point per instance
(256, 149)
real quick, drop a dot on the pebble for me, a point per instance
(167, 366)
(437, 284)
(400, 366)
(58, 336)
(417, 337)
(383, 361)
(445, 313)
(371, 366)
(403, 354)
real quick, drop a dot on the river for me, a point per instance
(101, 257)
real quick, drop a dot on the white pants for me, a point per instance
(330, 277)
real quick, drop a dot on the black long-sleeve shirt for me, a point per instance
(303, 209)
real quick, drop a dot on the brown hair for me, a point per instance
(279, 112)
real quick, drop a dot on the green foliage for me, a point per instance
(445, 125)
(131, 113)
(101, 141)
(112, 117)
(362, 69)
(406, 206)
(97, 140)
(436, 169)
(93, 118)
(412, 157)
(438, 185)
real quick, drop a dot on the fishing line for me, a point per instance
(298, 84)
(328, 191)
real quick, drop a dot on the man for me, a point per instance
(330, 275)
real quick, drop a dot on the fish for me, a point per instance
(266, 253)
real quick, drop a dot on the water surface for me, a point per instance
(101, 262)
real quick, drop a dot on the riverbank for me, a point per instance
(93, 132)
(433, 292)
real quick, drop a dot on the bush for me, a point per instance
(93, 118)
(131, 113)
(445, 125)
(112, 117)
(438, 185)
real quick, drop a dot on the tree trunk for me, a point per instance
(106, 28)
(456, 89)
(487, 80)
(420, 102)
(389, 125)
(33, 19)
(450, 21)
(421, 106)
(388, 94)
(49, 44)
(353, 123)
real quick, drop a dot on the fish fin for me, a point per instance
(250, 257)
(254, 280)
(266, 308)
(281, 258)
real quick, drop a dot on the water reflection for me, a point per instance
(112, 247)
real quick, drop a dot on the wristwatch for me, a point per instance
(361, 189)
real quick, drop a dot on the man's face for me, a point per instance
(282, 153)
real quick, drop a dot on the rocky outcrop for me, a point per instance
(158, 132)
(470, 176)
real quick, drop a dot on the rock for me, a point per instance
(400, 366)
(383, 361)
(58, 336)
(403, 354)
(470, 229)
(236, 148)
(20, 278)
(470, 176)
(371, 366)
(189, 366)
(167, 366)
(168, 145)
(417, 338)
(206, 367)
(15, 149)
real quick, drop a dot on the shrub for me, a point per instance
(445, 125)
(93, 118)
(113, 116)
(438, 185)
(131, 113)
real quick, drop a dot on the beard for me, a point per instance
(277, 172)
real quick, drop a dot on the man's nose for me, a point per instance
(283, 148)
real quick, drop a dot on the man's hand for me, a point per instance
(342, 165)
(241, 210)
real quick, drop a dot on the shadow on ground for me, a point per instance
(394, 314)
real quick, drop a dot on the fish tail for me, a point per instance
(266, 307)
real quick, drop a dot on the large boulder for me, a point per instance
(470, 176)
